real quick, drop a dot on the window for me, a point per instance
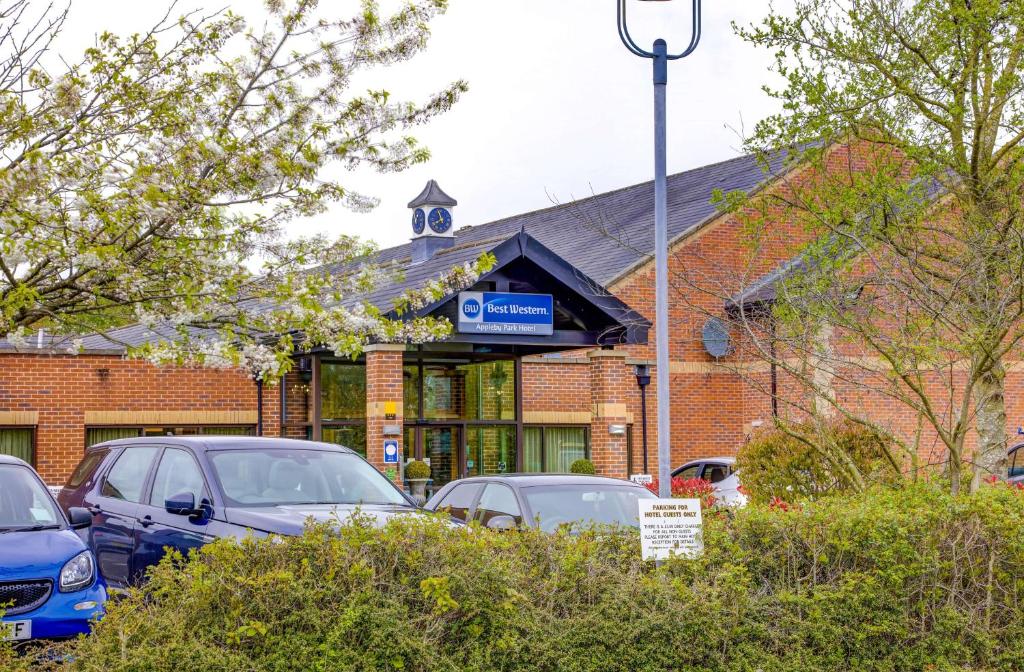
(1016, 461)
(94, 435)
(350, 436)
(490, 449)
(17, 441)
(24, 501)
(176, 475)
(555, 505)
(342, 391)
(128, 474)
(458, 502)
(343, 405)
(716, 472)
(554, 449)
(498, 500)
(85, 468)
(273, 477)
(478, 391)
(689, 472)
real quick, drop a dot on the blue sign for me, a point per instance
(506, 313)
(390, 451)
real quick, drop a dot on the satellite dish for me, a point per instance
(715, 336)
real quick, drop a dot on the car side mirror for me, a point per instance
(80, 518)
(182, 504)
(502, 523)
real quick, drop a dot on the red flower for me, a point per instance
(689, 488)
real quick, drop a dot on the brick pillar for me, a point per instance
(611, 384)
(383, 389)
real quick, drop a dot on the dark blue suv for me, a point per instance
(148, 494)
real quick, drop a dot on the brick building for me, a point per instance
(524, 398)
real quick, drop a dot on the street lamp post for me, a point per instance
(660, 57)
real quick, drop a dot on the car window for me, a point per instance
(24, 502)
(498, 500)
(715, 472)
(1017, 462)
(85, 468)
(177, 474)
(458, 502)
(598, 504)
(279, 476)
(689, 472)
(128, 474)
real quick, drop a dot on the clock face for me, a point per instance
(418, 221)
(440, 220)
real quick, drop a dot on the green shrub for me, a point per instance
(893, 579)
(416, 470)
(799, 462)
(582, 466)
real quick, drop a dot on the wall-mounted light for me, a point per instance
(617, 430)
(305, 369)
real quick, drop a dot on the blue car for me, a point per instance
(49, 586)
(153, 493)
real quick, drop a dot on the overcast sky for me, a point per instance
(557, 108)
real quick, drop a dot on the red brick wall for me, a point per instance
(61, 388)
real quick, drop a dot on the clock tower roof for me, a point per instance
(432, 194)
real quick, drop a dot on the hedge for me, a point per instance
(908, 579)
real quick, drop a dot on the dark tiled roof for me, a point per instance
(604, 235)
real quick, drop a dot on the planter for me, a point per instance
(418, 489)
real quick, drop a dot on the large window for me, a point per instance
(94, 435)
(443, 391)
(17, 441)
(343, 405)
(553, 449)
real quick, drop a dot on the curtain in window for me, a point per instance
(16, 442)
(94, 435)
(563, 446)
(531, 449)
(228, 431)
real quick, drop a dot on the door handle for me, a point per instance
(147, 521)
(94, 510)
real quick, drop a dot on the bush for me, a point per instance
(689, 488)
(582, 467)
(416, 470)
(776, 464)
(895, 580)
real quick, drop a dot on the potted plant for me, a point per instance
(582, 467)
(418, 473)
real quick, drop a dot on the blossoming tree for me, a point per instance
(139, 183)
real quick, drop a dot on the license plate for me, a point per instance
(16, 630)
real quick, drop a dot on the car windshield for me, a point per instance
(273, 477)
(598, 504)
(24, 501)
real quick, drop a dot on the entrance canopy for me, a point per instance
(532, 301)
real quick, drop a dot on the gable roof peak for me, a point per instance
(433, 194)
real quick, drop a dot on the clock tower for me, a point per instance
(432, 224)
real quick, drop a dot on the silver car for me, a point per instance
(721, 473)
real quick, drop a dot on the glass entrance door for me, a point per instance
(442, 447)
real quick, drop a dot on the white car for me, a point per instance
(720, 472)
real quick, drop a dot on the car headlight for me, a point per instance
(77, 573)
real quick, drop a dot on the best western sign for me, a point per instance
(505, 313)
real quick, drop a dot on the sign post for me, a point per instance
(670, 527)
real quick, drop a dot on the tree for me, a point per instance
(139, 183)
(911, 282)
